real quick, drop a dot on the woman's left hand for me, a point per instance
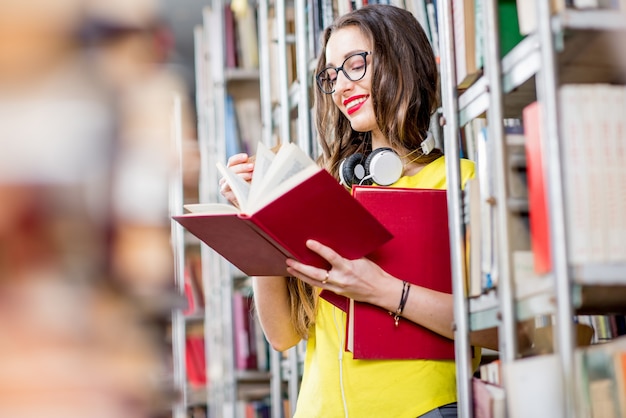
(359, 279)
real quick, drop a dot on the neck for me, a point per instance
(412, 168)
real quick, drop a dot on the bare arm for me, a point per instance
(271, 301)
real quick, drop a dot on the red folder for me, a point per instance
(420, 254)
(318, 208)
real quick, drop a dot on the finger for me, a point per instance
(312, 275)
(326, 252)
(237, 159)
(243, 170)
(224, 187)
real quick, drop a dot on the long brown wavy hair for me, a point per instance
(404, 93)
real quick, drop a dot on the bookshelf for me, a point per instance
(285, 108)
(228, 117)
(566, 47)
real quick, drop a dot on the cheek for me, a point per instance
(337, 100)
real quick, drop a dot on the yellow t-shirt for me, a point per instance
(373, 388)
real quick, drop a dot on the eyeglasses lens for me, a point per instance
(353, 67)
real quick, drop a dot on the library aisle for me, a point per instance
(86, 271)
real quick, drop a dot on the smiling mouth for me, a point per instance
(355, 103)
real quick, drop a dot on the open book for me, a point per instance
(290, 199)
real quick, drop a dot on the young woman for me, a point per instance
(377, 88)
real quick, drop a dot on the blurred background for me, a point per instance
(181, 16)
(88, 90)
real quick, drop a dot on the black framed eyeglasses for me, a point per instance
(353, 67)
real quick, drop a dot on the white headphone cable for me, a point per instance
(340, 358)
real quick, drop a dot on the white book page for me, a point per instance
(239, 186)
(288, 184)
(289, 160)
(211, 208)
(262, 162)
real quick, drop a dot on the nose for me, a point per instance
(342, 82)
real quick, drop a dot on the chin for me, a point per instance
(359, 127)
(362, 121)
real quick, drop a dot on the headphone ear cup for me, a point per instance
(383, 166)
(352, 170)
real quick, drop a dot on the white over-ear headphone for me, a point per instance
(383, 166)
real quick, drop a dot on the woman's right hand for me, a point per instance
(243, 166)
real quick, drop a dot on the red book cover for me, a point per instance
(420, 254)
(537, 199)
(318, 208)
(193, 295)
(340, 302)
(195, 360)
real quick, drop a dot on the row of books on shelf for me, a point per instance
(242, 121)
(517, 18)
(252, 351)
(594, 166)
(251, 347)
(243, 409)
(468, 17)
(260, 408)
(325, 11)
(241, 45)
(599, 374)
(605, 327)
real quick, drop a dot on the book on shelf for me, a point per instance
(246, 34)
(599, 371)
(619, 372)
(418, 9)
(195, 359)
(473, 240)
(431, 11)
(489, 400)
(232, 137)
(592, 126)
(290, 200)
(244, 333)
(486, 180)
(248, 114)
(419, 253)
(537, 192)
(193, 293)
(536, 383)
(230, 40)
(509, 31)
(467, 70)
(527, 13)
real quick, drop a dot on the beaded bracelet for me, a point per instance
(406, 286)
